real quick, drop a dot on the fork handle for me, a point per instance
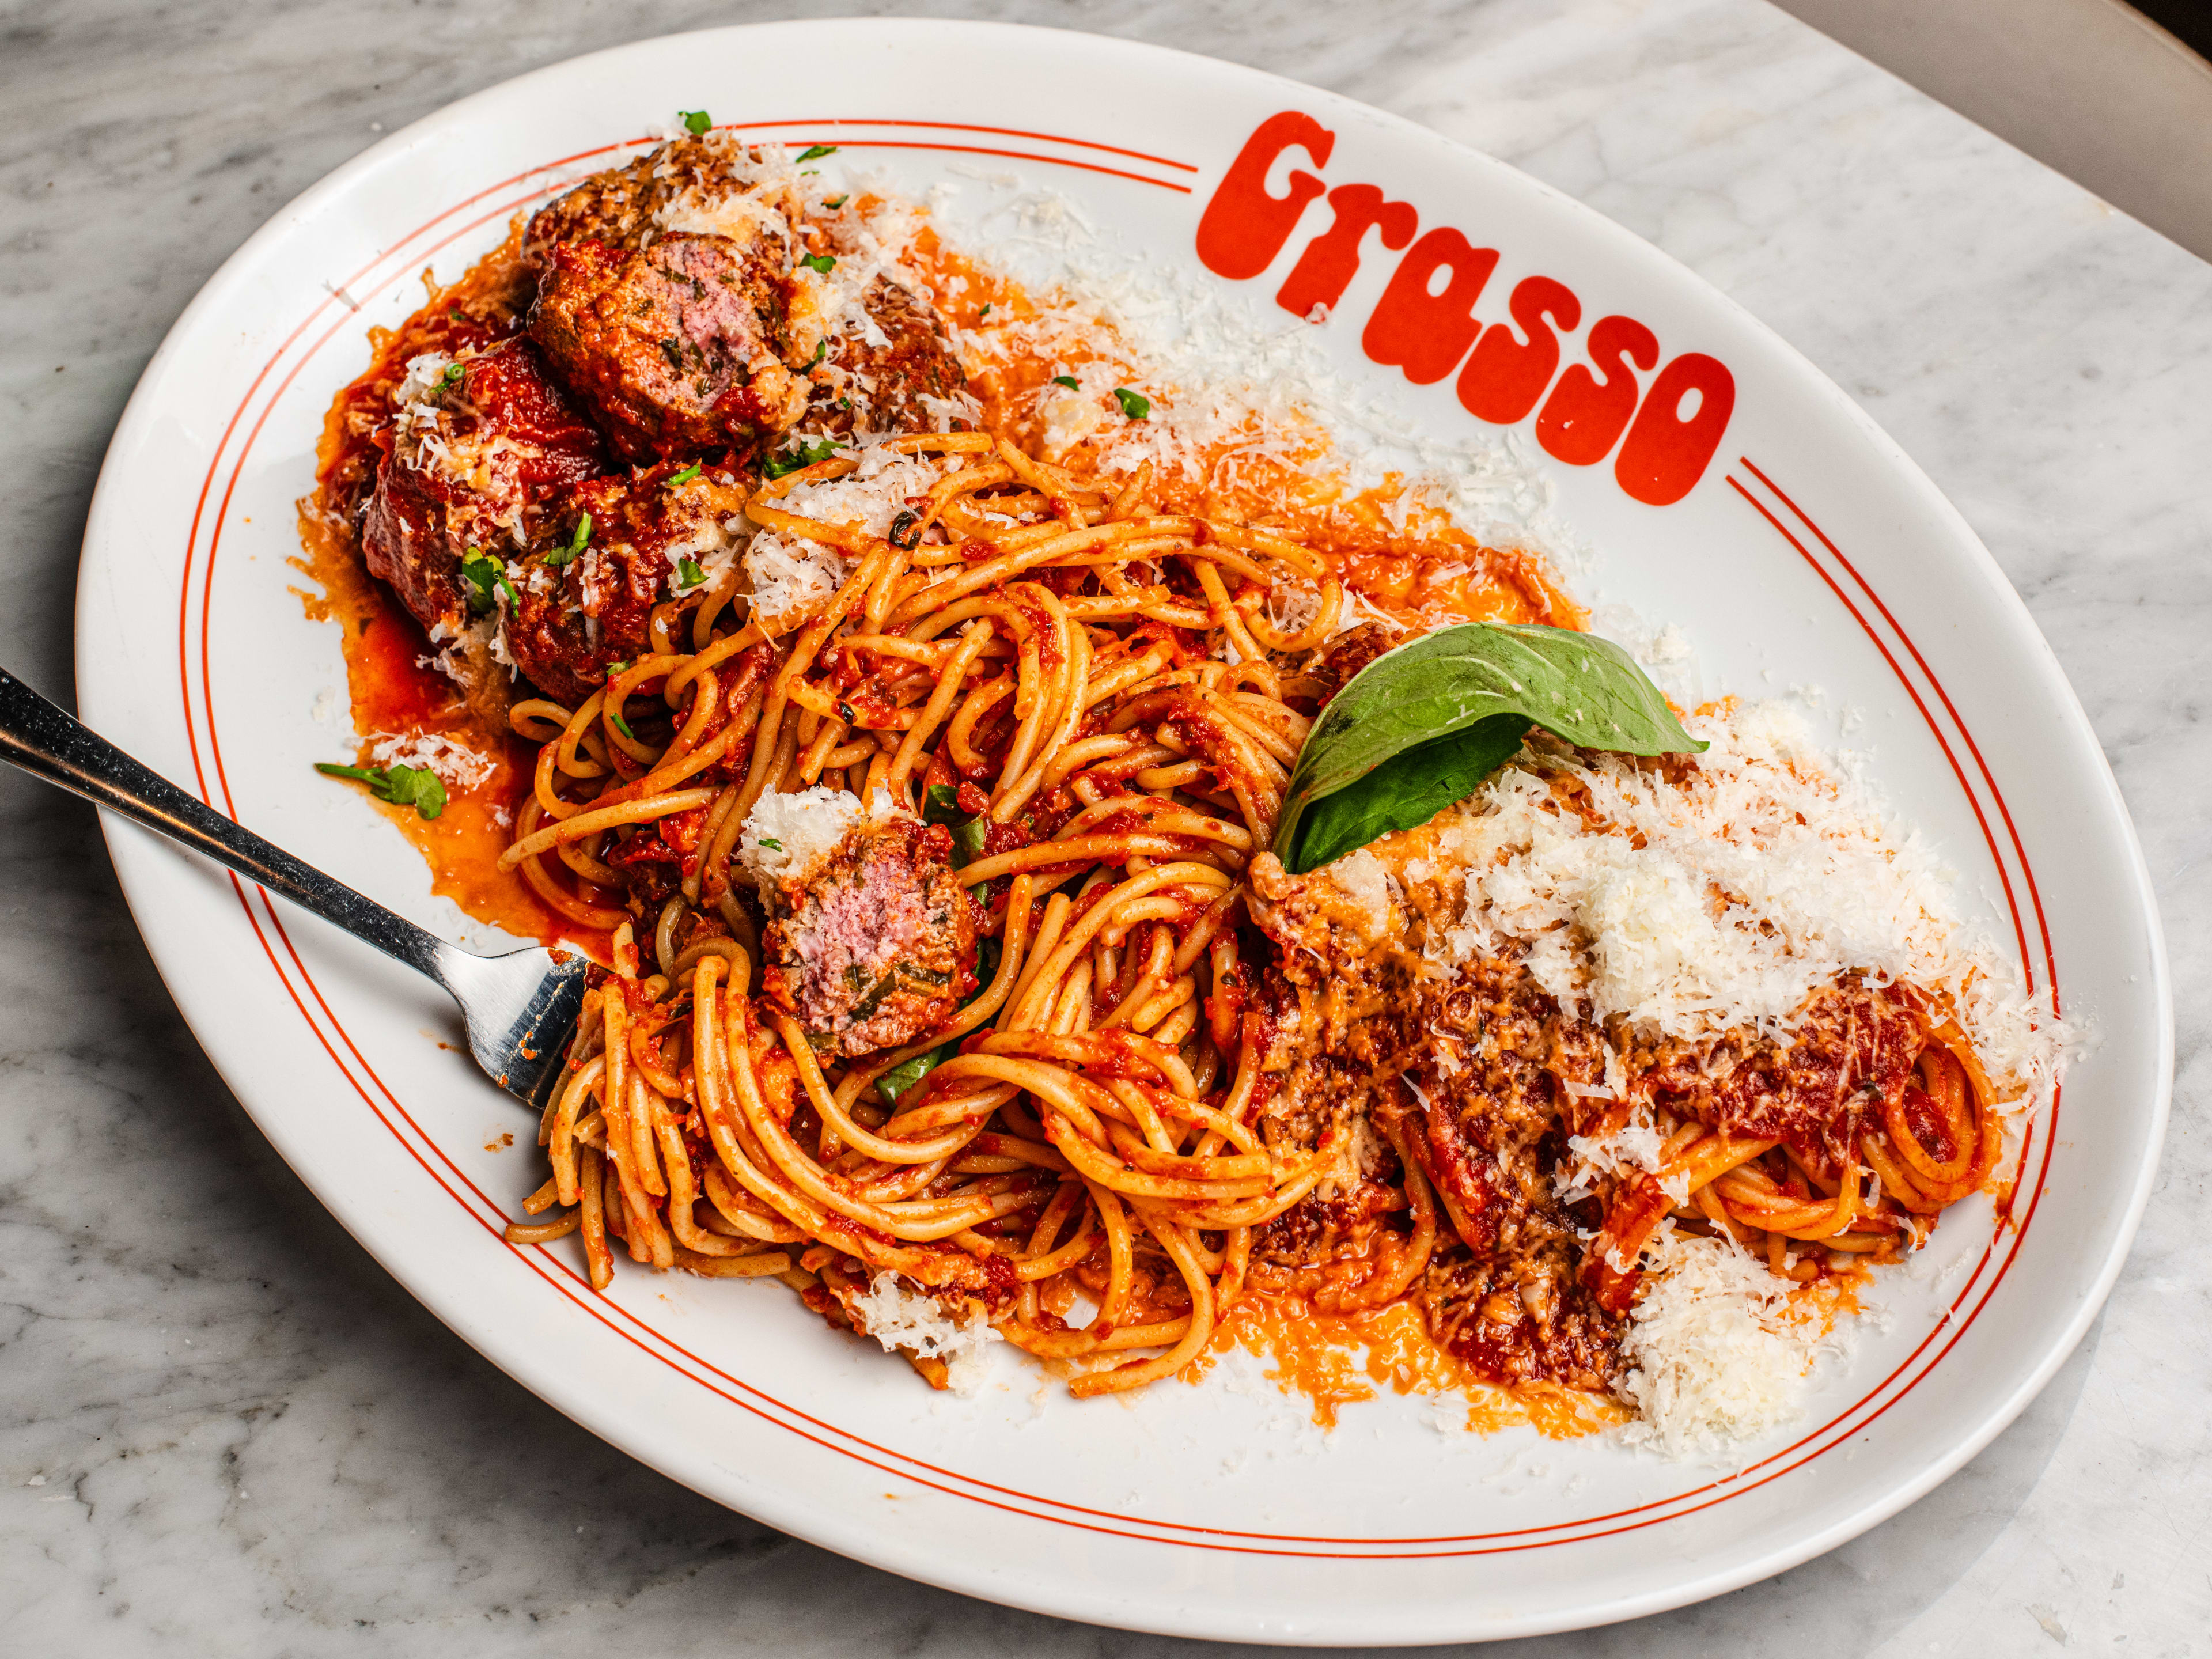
(48, 742)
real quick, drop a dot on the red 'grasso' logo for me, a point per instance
(1426, 324)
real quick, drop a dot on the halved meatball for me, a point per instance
(875, 378)
(683, 181)
(470, 461)
(584, 608)
(877, 947)
(673, 346)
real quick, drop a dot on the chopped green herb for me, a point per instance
(1067, 380)
(486, 578)
(689, 572)
(984, 313)
(821, 350)
(565, 556)
(696, 122)
(815, 152)
(847, 714)
(452, 377)
(673, 351)
(837, 202)
(823, 263)
(894, 1084)
(685, 476)
(1134, 405)
(454, 312)
(807, 452)
(772, 843)
(940, 804)
(968, 840)
(614, 720)
(402, 786)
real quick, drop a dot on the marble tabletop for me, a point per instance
(224, 1430)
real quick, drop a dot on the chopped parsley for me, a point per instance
(771, 842)
(672, 349)
(821, 264)
(835, 201)
(487, 579)
(807, 453)
(564, 555)
(815, 152)
(402, 786)
(685, 476)
(696, 121)
(454, 313)
(1134, 405)
(614, 720)
(821, 350)
(984, 313)
(1067, 380)
(689, 574)
(451, 378)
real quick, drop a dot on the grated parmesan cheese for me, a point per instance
(899, 1318)
(456, 764)
(1718, 1355)
(784, 835)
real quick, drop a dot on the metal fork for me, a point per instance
(521, 1006)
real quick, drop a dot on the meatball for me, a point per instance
(874, 945)
(585, 603)
(1343, 658)
(881, 387)
(672, 346)
(470, 461)
(676, 187)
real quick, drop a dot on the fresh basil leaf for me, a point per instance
(1135, 405)
(940, 804)
(1440, 707)
(815, 152)
(402, 786)
(696, 122)
(820, 264)
(1069, 381)
(481, 575)
(968, 842)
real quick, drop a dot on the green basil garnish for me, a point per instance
(566, 556)
(940, 804)
(689, 572)
(807, 453)
(1135, 405)
(1421, 727)
(1073, 384)
(815, 152)
(402, 786)
(820, 264)
(696, 122)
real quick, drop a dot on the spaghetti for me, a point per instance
(914, 788)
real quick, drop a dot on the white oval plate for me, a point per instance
(1810, 550)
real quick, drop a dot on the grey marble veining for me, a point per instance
(224, 1430)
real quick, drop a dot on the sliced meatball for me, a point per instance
(1342, 658)
(585, 601)
(877, 947)
(468, 461)
(881, 367)
(674, 346)
(710, 183)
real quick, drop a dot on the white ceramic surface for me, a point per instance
(1197, 1511)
